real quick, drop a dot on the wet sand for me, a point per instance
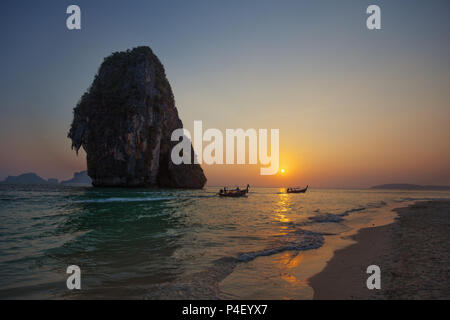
(413, 254)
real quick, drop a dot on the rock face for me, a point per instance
(124, 123)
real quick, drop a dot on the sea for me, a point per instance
(172, 244)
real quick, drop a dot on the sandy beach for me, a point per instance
(413, 254)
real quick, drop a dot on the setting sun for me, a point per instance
(282, 171)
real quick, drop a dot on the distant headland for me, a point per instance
(406, 186)
(79, 178)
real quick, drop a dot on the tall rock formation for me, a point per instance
(124, 123)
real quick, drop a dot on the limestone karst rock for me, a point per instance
(124, 123)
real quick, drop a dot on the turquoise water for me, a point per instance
(140, 243)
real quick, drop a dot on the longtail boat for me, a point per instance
(234, 193)
(296, 190)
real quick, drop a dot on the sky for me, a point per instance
(355, 107)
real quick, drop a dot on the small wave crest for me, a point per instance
(326, 218)
(106, 200)
(298, 240)
(347, 212)
(378, 204)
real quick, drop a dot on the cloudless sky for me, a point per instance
(354, 107)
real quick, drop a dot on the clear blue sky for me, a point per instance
(294, 65)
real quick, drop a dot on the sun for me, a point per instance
(282, 171)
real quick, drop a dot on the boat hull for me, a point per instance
(234, 194)
(297, 190)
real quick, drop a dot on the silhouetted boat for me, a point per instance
(296, 190)
(234, 193)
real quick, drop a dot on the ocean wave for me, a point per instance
(408, 199)
(378, 204)
(326, 218)
(205, 284)
(106, 200)
(347, 212)
(298, 240)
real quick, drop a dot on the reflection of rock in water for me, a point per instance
(124, 123)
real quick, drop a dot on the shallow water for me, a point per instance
(139, 243)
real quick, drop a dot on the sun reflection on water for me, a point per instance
(282, 209)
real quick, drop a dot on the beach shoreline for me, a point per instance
(413, 254)
(286, 275)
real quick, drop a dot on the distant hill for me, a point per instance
(79, 178)
(406, 186)
(25, 178)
